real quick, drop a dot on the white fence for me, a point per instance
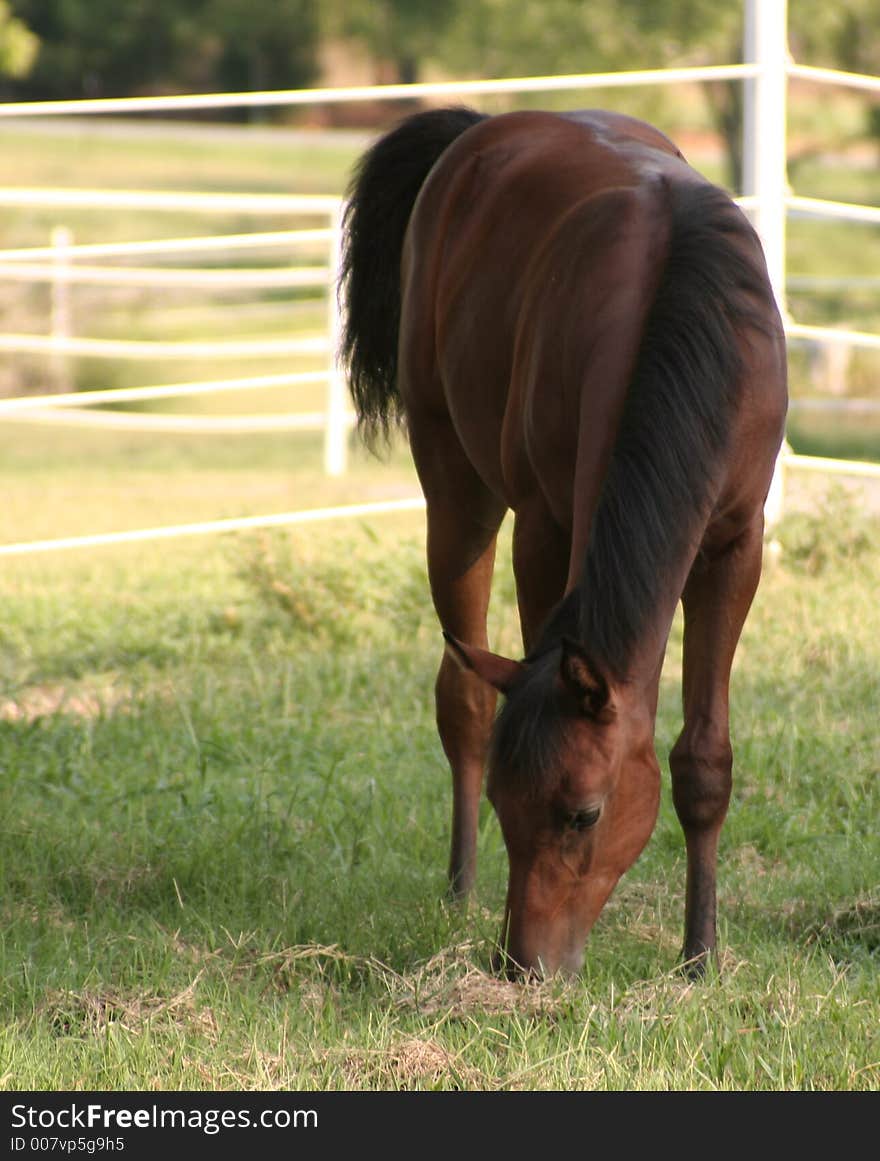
(765, 73)
(61, 265)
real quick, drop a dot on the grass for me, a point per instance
(225, 809)
(225, 814)
(838, 436)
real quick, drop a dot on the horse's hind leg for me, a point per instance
(716, 600)
(463, 518)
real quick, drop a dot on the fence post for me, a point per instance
(336, 423)
(59, 324)
(764, 130)
(765, 173)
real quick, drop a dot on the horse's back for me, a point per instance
(475, 256)
(482, 219)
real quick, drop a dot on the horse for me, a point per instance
(571, 323)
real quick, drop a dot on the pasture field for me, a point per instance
(225, 809)
(208, 159)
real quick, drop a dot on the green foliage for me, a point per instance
(104, 48)
(107, 47)
(402, 32)
(842, 36)
(835, 534)
(268, 45)
(18, 45)
(508, 38)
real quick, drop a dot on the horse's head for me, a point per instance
(574, 780)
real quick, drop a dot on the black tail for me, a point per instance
(380, 200)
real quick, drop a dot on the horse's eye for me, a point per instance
(583, 819)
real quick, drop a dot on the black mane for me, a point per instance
(662, 478)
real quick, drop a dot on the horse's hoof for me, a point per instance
(457, 895)
(694, 967)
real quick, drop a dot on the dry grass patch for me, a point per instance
(448, 984)
(91, 1013)
(410, 1062)
(78, 700)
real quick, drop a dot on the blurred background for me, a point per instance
(228, 277)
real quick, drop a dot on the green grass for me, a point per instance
(838, 436)
(224, 805)
(225, 811)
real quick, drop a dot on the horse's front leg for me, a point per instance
(463, 518)
(716, 600)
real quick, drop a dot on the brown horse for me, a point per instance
(575, 325)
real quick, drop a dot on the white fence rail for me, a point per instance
(60, 266)
(236, 524)
(408, 92)
(765, 73)
(69, 408)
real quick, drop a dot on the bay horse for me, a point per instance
(572, 324)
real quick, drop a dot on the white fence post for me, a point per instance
(336, 432)
(62, 240)
(765, 173)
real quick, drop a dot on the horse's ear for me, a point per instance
(584, 682)
(499, 672)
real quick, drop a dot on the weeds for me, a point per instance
(356, 591)
(837, 534)
(225, 823)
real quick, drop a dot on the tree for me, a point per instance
(98, 48)
(518, 37)
(106, 48)
(402, 34)
(842, 36)
(18, 45)
(263, 44)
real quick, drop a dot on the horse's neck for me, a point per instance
(642, 683)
